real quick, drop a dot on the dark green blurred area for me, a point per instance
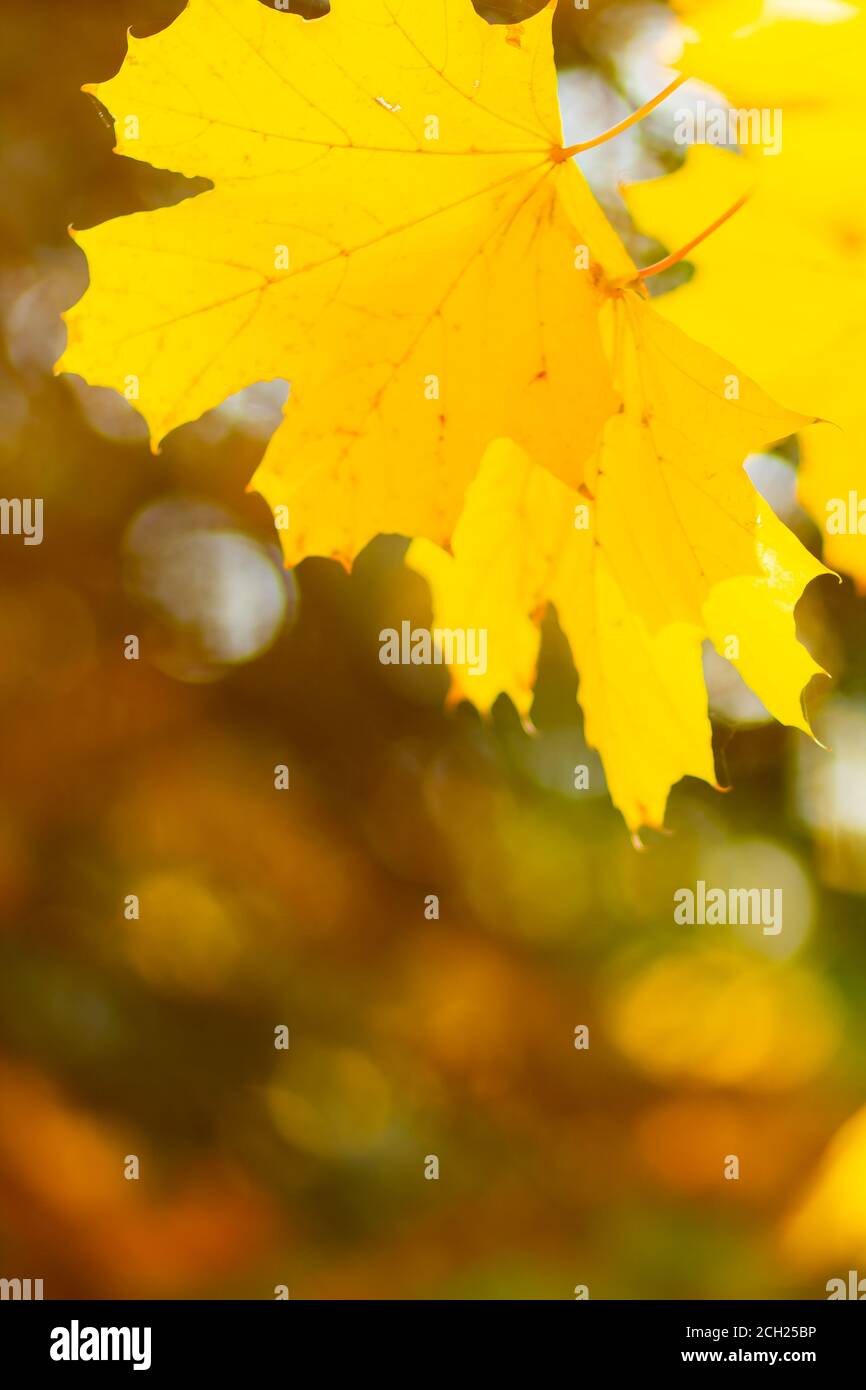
(258, 907)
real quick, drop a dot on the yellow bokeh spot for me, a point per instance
(184, 938)
(720, 1017)
(335, 1102)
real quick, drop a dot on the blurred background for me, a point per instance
(305, 907)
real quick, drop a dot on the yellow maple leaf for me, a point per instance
(828, 1222)
(781, 288)
(396, 228)
(667, 545)
(393, 228)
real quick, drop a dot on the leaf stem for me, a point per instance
(648, 106)
(676, 256)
